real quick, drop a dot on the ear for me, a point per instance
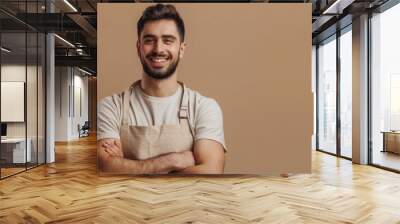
(182, 49)
(138, 47)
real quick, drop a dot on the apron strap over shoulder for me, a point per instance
(125, 105)
(184, 112)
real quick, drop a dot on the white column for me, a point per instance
(50, 92)
(50, 100)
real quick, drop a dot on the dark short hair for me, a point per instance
(158, 12)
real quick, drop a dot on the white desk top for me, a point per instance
(13, 140)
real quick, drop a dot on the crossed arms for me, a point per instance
(207, 158)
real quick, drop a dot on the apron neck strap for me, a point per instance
(183, 112)
(125, 105)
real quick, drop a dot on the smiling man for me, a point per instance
(158, 125)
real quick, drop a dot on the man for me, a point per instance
(158, 125)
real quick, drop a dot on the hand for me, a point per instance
(113, 148)
(183, 159)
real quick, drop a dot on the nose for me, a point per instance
(159, 46)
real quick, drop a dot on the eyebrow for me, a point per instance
(163, 36)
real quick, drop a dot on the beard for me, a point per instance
(159, 73)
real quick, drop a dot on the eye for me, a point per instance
(168, 41)
(148, 40)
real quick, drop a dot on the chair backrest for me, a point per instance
(86, 125)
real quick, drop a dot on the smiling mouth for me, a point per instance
(158, 59)
(158, 62)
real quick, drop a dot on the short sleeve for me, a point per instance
(209, 121)
(109, 117)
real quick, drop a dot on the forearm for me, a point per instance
(203, 169)
(120, 165)
(209, 158)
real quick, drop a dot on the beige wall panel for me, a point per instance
(254, 59)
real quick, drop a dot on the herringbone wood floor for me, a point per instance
(70, 191)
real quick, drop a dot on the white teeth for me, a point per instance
(158, 59)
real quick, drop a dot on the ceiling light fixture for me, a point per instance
(70, 5)
(84, 71)
(64, 40)
(79, 51)
(5, 50)
(337, 7)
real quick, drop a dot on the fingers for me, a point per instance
(108, 149)
(119, 148)
(180, 160)
(118, 144)
(110, 152)
(189, 158)
(112, 149)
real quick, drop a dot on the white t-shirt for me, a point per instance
(205, 114)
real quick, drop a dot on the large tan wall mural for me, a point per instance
(253, 59)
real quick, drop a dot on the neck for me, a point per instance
(159, 88)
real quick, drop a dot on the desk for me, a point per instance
(13, 150)
(391, 141)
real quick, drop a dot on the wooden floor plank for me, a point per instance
(70, 191)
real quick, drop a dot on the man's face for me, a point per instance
(160, 48)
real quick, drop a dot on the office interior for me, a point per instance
(48, 92)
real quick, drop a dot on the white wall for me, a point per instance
(34, 125)
(81, 83)
(15, 72)
(67, 116)
(62, 81)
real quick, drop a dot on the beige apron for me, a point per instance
(144, 142)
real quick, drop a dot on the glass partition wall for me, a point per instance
(22, 88)
(334, 105)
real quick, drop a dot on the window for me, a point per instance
(327, 95)
(346, 93)
(385, 88)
